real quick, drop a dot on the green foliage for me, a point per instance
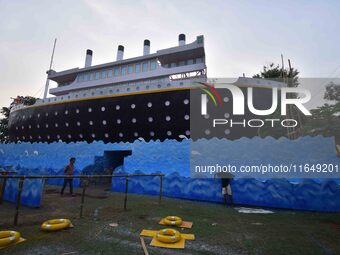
(325, 120)
(275, 72)
(5, 111)
(332, 92)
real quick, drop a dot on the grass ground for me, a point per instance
(218, 230)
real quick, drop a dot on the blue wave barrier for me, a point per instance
(172, 158)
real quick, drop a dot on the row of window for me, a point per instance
(107, 135)
(103, 109)
(118, 71)
(185, 62)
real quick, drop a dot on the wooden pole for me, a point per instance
(144, 246)
(160, 188)
(126, 191)
(21, 184)
(3, 190)
(82, 199)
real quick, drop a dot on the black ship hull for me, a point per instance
(147, 116)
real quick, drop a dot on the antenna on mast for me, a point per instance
(47, 80)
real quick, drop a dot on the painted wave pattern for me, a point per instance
(172, 158)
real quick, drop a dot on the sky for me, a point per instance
(240, 36)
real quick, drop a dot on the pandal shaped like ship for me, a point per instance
(145, 97)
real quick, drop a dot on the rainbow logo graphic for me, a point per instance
(212, 93)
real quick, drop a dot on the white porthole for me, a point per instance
(117, 107)
(186, 101)
(22, 127)
(69, 136)
(66, 112)
(58, 136)
(187, 132)
(120, 134)
(149, 104)
(31, 137)
(77, 110)
(46, 114)
(29, 126)
(78, 123)
(167, 118)
(56, 124)
(38, 126)
(55, 113)
(93, 135)
(227, 131)
(133, 106)
(81, 135)
(169, 133)
(103, 109)
(46, 125)
(16, 128)
(39, 137)
(133, 120)
(91, 122)
(150, 119)
(226, 99)
(104, 122)
(90, 109)
(167, 103)
(48, 137)
(186, 117)
(119, 121)
(207, 132)
(66, 124)
(226, 115)
(135, 134)
(23, 117)
(38, 115)
(207, 116)
(152, 133)
(106, 135)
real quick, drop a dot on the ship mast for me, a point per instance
(47, 80)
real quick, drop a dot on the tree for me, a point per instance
(332, 92)
(325, 119)
(289, 76)
(4, 124)
(5, 111)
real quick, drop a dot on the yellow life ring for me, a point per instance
(168, 235)
(8, 237)
(56, 224)
(173, 221)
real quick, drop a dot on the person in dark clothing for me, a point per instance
(226, 179)
(69, 170)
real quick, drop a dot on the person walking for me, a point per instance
(69, 170)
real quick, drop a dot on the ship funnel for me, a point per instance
(120, 52)
(181, 39)
(88, 59)
(146, 49)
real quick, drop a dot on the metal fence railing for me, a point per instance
(85, 181)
